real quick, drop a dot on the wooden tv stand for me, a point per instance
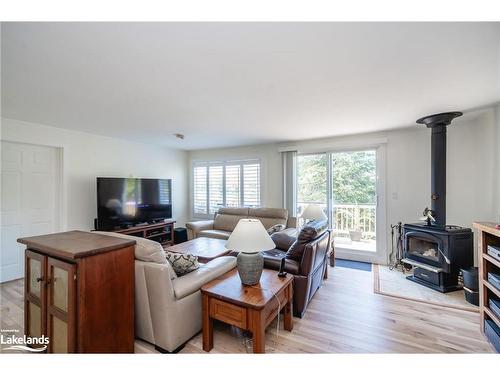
(162, 232)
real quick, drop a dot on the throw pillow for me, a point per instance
(275, 228)
(182, 263)
(285, 238)
(307, 234)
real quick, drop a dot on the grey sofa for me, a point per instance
(226, 219)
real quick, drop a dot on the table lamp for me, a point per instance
(313, 212)
(249, 238)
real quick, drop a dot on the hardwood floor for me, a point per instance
(345, 316)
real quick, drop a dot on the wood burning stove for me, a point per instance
(435, 250)
(437, 254)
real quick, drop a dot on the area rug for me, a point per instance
(394, 284)
(363, 266)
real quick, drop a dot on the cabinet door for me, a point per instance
(35, 295)
(61, 306)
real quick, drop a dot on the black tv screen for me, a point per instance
(123, 202)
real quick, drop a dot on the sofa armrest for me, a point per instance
(315, 253)
(195, 227)
(272, 261)
(193, 281)
(291, 222)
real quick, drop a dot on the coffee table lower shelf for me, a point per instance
(251, 308)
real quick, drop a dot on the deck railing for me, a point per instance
(349, 217)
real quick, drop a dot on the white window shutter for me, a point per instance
(251, 185)
(200, 190)
(215, 188)
(233, 189)
(229, 184)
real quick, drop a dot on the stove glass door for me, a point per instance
(423, 248)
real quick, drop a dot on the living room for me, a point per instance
(270, 187)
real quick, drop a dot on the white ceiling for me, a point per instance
(228, 84)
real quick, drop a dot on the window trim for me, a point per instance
(218, 162)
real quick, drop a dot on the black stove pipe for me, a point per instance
(438, 123)
(438, 173)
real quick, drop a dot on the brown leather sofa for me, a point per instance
(308, 271)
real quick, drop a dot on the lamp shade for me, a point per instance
(313, 212)
(249, 236)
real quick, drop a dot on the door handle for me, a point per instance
(38, 279)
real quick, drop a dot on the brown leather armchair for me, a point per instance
(308, 272)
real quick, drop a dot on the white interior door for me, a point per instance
(30, 200)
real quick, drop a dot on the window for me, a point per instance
(225, 184)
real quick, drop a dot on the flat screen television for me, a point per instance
(123, 202)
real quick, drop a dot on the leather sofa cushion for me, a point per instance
(285, 238)
(145, 250)
(236, 211)
(193, 281)
(307, 234)
(200, 225)
(214, 233)
(227, 222)
(269, 216)
(274, 213)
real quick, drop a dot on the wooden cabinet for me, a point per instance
(61, 290)
(35, 294)
(79, 292)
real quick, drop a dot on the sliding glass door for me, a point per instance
(346, 184)
(312, 181)
(354, 198)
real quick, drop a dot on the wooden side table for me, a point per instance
(251, 308)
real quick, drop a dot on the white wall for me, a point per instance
(86, 156)
(471, 170)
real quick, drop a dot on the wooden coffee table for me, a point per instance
(251, 308)
(204, 248)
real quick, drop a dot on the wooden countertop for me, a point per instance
(488, 227)
(74, 244)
